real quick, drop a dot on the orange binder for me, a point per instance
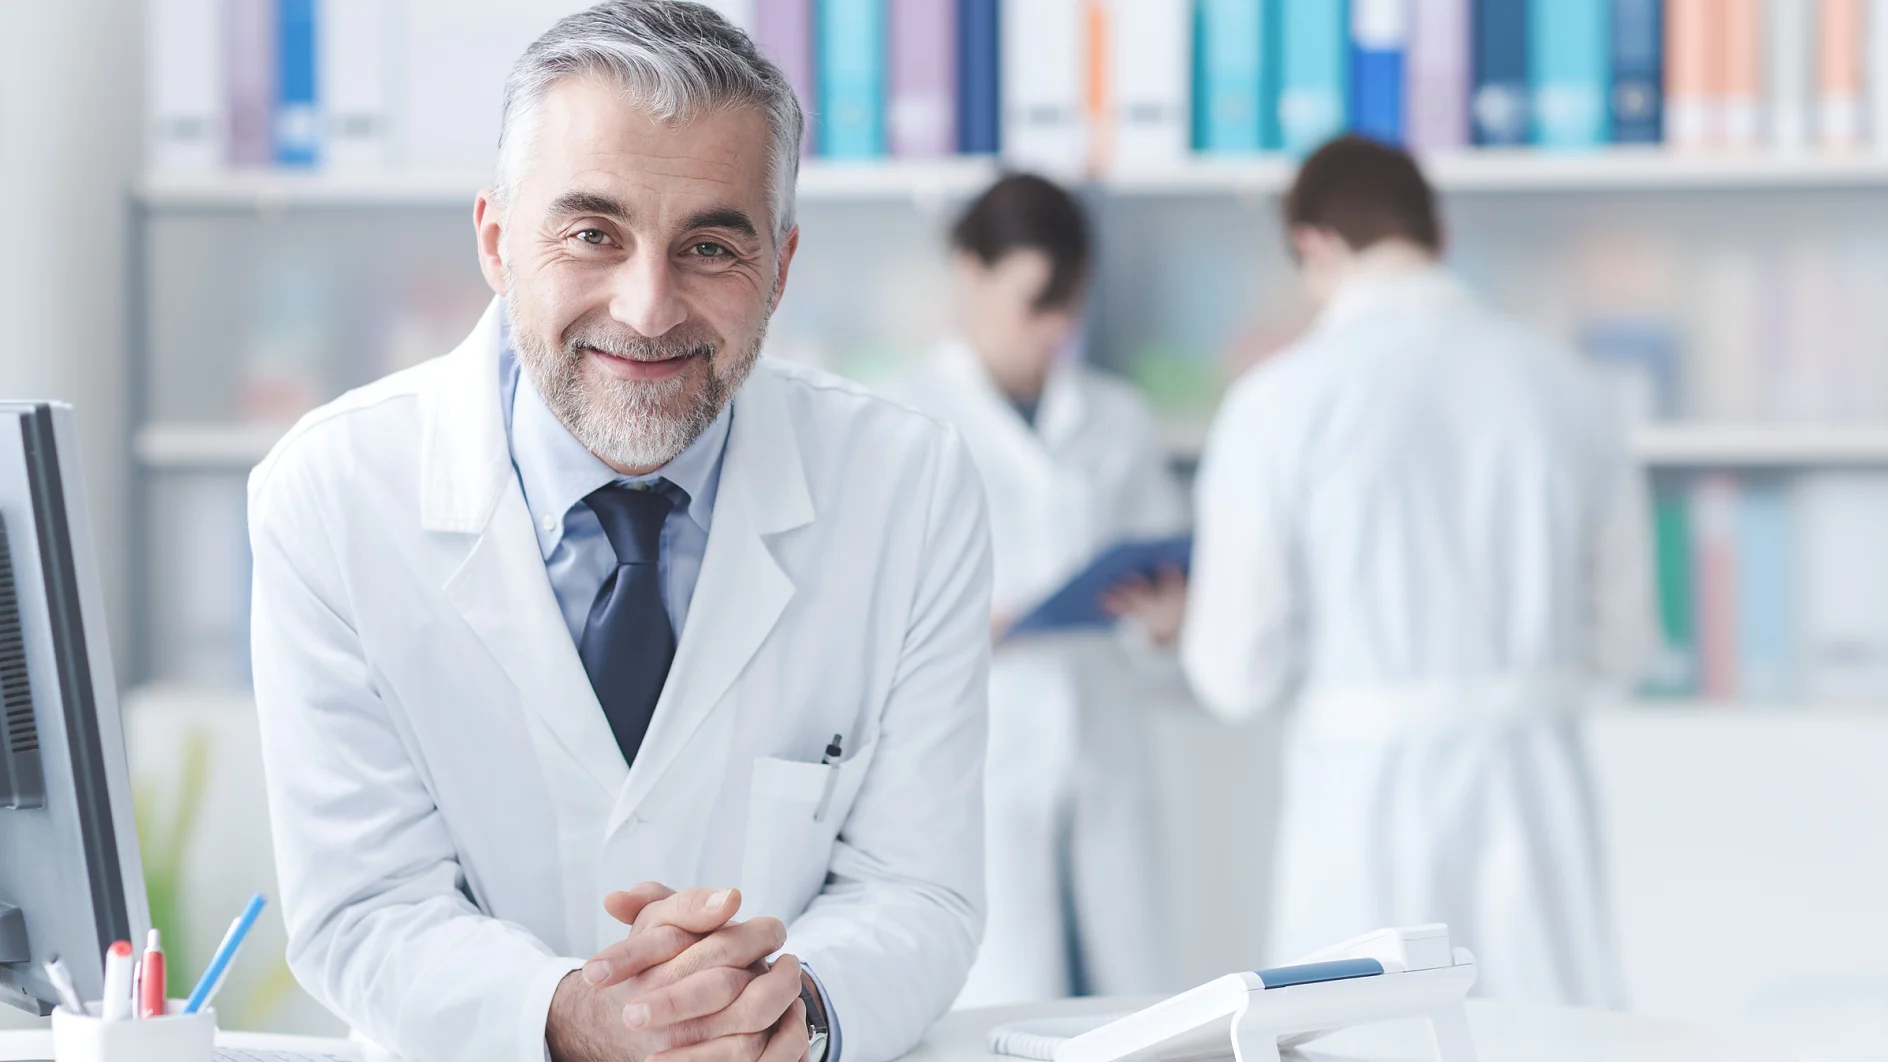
(1741, 44)
(1839, 73)
(1694, 73)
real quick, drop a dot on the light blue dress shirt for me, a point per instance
(557, 472)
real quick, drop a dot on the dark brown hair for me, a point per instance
(1366, 192)
(1023, 211)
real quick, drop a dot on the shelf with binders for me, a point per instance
(945, 180)
(237, 447)
(921, 182)
(1695, 446)
(1500, 170)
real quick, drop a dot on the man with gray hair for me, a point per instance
(603, 605)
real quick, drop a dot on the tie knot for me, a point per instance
(632, 518)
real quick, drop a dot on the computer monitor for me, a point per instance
(70, 878)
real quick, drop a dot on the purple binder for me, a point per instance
(923, 115)
(251, 50)
(1437, 72)
(783, 29)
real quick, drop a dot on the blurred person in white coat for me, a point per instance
(1421, 530)
(1071, 464)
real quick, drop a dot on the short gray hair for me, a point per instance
(675, 60)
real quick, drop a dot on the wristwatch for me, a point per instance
(818, 1026)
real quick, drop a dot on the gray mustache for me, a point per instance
(640, 349)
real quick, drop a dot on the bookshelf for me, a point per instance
(1492, 170)
(1685, 446)
(208, 447)
(945, 180)
(1189, 253)
(919, 182)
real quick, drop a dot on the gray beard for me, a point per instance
(629, 423)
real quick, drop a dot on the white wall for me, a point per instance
(70, 77)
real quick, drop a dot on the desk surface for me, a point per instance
(1504, 1032)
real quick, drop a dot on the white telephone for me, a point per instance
(1381, 976)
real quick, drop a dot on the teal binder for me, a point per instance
(1237, 85)
(1314, 69)
(850, 58)
(1570, 45)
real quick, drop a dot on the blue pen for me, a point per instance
(219, 965)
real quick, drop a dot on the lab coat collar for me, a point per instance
(1059, 416)
(1392, 283)
(468, 487)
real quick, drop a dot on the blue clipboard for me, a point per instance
(1078, 604)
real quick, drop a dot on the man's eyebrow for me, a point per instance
(724, 218)
(572, 204)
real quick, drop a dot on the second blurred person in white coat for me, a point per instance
(1071, 464)
(1420, 528)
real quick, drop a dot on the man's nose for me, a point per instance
(646, 298)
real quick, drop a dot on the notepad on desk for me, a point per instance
(1078, 604)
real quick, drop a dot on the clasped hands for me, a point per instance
(688, 984)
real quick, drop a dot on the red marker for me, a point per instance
(151, 1002)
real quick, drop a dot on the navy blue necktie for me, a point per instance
(627, 642)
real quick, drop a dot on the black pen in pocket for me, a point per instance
(831, 762)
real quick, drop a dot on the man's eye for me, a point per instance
(711, 250)
(594, 237)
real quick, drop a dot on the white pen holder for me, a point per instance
(176, 1037)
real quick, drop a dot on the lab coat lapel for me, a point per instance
(468, 487)
(742, 589)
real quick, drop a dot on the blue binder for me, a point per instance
(1570, 44)
(1637, 97)
(1238, 107)
(1314, 67)
(1376, 73)
(850, 64)
(297, 126)
(1499, 109)
(979, 90)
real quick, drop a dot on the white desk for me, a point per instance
(36, 1045)
(1504, 1032)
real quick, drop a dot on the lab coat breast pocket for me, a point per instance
(794, 812)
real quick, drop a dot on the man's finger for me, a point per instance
(786, 1043)
(739, 945)
(698, 995)
(790, 1039)
(698, 910)
(763, 1002)
(746, 1047)
(624, 906)
(637, 954)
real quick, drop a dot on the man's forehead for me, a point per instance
(591, 135)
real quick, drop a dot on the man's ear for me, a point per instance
(783, 264)
(488, 224)
(1304, 243)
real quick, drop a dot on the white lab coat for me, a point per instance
(449, 804)
(1421, 528)
(1067, 791)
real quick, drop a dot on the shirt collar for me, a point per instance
(1394, 282)
(557, 472)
